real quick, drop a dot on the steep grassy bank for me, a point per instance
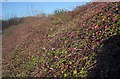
(66, 44)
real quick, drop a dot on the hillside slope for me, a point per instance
(65, 44)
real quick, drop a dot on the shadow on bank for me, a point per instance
(108, 60)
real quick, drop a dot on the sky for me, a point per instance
(19, 9)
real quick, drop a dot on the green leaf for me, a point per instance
(65, 75)
(70, 62)
(74, 72)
